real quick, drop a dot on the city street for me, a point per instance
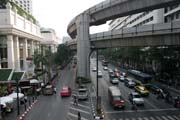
(153, 109)
(54, 107)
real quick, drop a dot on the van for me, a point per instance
(115, 97)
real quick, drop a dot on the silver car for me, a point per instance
(82, 93)
(136, 98)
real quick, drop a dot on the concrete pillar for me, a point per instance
(32, 48)
(83, 45)
(10, 51)
(25, 53)
(16, 53)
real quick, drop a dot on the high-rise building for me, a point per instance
(24, 4)
(163, 15)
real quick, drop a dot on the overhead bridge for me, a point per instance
(147, 35)
(151, 35)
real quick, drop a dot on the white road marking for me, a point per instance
(164, 118)
(176, 117)
(153, 110)
(82, 105)
(79, 110)
(158, 118)
(171, 118)
(145, 118)
(152, 118)
(73, 115)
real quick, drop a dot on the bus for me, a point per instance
(104, 63)
(141, 78)
(115, 97)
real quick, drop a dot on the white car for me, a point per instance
(114, 80)
(94, 69)
(121, 78)
(136, 98)
(100, 74)
(82, 93)
(105, 68)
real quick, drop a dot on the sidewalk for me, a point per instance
(22, 108)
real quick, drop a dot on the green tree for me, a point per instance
(63, 54)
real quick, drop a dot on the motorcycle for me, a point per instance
(177, 102)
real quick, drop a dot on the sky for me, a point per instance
(57, 14)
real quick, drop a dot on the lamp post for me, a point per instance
(17, 90)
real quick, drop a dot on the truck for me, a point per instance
(115, 97)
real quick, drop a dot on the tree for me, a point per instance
(63, 54)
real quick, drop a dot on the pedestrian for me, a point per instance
(55, 90)
(75, 100)
(79, 116)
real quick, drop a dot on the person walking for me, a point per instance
(75, 100)
(79, 116)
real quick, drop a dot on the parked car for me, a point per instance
(82, 93)
(135, 98)
(129, 82)
(114, 80)
(141, 90)
(65, 91)
(152, 88)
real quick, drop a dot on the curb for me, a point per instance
(23, 115)
(95, 115)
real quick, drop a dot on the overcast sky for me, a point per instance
(57, 14)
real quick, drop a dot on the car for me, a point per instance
(141, 90)
(129, 82)
(135, 98)
(82, 93)
(100, 74)
(152, 88)
(110, 71)
(121, 78)
(94, 69)
(114, 80)
(65, 91)
(105, 68)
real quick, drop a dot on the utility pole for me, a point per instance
(17, 90)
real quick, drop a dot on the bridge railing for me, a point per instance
(163, 28)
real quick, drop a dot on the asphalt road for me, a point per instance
(154, 109)
(54, 107)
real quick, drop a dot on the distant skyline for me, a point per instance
(57, 14)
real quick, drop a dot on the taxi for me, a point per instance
(142, 90)
(65, 91)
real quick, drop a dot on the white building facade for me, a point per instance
(49, 38)
(163, 15)
(19, 38)
(26, 5)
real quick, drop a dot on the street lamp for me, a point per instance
(17, 90)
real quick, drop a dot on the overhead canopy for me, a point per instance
(14, 95)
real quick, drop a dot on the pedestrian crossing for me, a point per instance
(83, 107)
(164, 117)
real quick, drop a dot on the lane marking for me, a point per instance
(82, 105)
(164, 118)
(148, 110)
(158, 118)
(176, 117)
(76, 109)
(170, 117)
(152, 118)
(73, 115)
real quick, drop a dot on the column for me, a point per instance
(25, 53)
(32, 48)
(16, 53)
(10, 51)
(83, 45)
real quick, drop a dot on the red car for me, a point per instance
(66, 91)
